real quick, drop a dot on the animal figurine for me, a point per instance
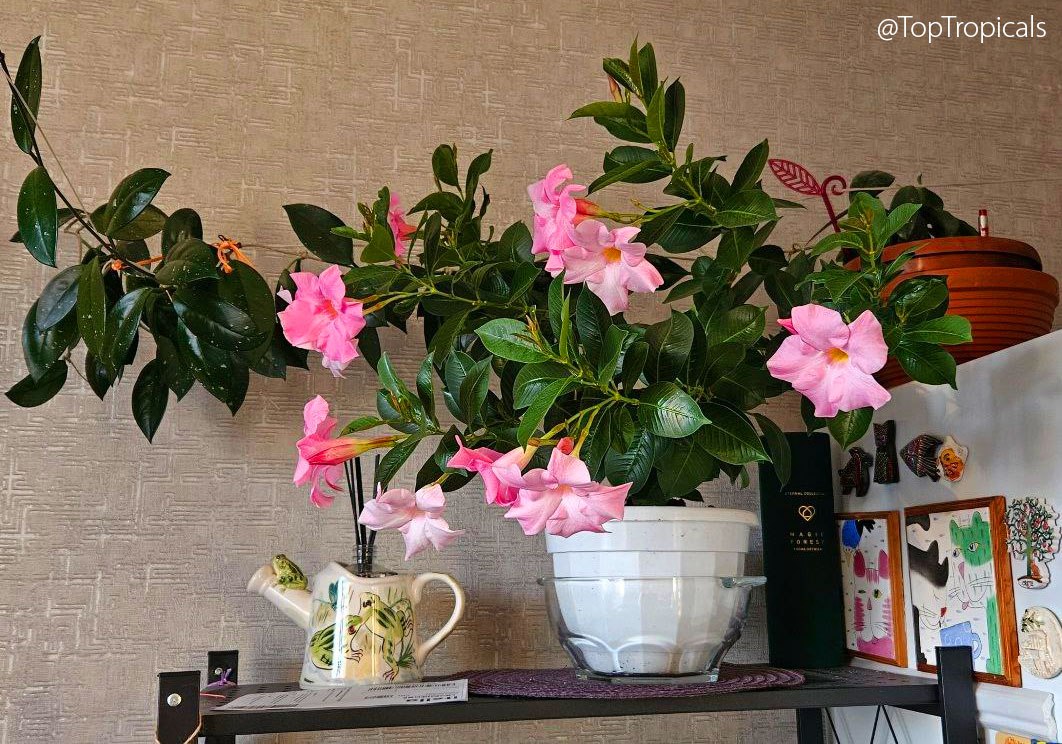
(855, 475)
(886, 464)
(951, 460)
(289, 575)
(920, 455)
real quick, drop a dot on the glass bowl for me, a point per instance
(649, 627)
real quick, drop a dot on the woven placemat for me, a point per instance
(563, 683)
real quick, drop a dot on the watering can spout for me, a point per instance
(289, 597)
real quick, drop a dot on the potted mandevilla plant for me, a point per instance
(577, 420)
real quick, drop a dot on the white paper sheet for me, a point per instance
(419, 693)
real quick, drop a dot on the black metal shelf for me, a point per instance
(824, 688)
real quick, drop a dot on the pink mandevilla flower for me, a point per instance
(321, 455)
(320, 317)
(831, 363)
(418, 516)
(609, 263)
(399, 227)
(561, 498)
(317, 427)
(481, 460)
(556, 212)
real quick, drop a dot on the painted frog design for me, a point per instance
(386, 629)
(289, 575)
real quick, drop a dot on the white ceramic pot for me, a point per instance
(661, 593)
(658, 541)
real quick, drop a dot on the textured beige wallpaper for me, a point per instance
(121, 559)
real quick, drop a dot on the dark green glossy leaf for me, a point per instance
(617, 69)
(721, 360)
(473, 390)
(555, 301)
(667, 411)
(444, 164)
(479, 165)
(874, 180)
(426, 385)
(730, 436)
(626, 174)
(38, 218)
(748, 207)
(777, 446)
(626, 155)
(28, 84)
(129, 199)
(246, 289)
(920, 298)
(634, 361)
(654, 229)
(735, 247)
(447, 204)
(612, 109)
(539, 408)
(948, 329)
(150, 396)
(150, 222)
(532, 379)
(122, 326)
(92, 307)
(748, 173)
(647, 74)
(396, 457)
(670, 342)
(215, 321)
(456, 369)
(926, 363)
(743, 324)
(313, 227)
(674, 112)
(807, 413)
(381, 246)
(628, 130)
(189, 261)
(682, 466)
(215, 369)
(175, 373)
(29, 393)
(180, 226)
(689, 232)
(442, 343)
(592, 321)
(510, 339)
(634, 465)
(43, 347)
(59, 297)
(99, 377)
(655, 112)
(848, 427)
(516, 242)
(611, 349)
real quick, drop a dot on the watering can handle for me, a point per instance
(459, 609)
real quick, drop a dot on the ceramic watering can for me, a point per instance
(360, 630)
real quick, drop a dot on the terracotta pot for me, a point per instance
(995, 283)
(963, 252)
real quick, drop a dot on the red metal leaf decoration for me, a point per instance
(795, 177)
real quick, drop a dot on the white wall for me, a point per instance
(1008, 411)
